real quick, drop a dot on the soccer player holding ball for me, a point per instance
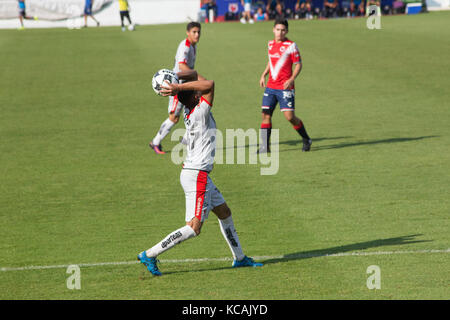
(283, 55)
(202, 196)
(184, 61)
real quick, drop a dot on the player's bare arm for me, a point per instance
(185, 67)
(188, 75)
(290, 82)
(206, 87)
(262, 80)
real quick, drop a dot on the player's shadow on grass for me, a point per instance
(315, 140)
(290, 142)
(348, 248)
(316, 147)
(333, 251)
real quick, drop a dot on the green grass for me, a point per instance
(78, 183)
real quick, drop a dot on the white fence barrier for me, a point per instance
(61, 13)
(437, 5)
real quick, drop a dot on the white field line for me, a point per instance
(287, 257)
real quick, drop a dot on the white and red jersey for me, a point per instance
(186, 53)
(282, 56)
(201, 137)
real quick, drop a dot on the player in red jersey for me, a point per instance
(283, 55)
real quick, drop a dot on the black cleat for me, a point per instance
(306, 145)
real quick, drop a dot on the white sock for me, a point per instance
(171, 240)
(163, 131)
(230, 235)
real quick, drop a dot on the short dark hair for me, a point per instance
(185, 96)
(281, 21)
(193, 24)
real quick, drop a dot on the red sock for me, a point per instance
(300, 128)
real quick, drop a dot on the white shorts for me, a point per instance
(247, 6)
(175, 106)
(201, 194)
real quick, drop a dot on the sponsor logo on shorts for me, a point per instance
(199, 206)
(288, 94)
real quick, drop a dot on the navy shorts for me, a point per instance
(286, 99)
(88, 10)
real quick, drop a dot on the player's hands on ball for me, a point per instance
(169, 89)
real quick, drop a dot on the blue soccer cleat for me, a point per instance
(150, 263)
(246, 262)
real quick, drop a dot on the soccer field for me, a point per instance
(79, 185)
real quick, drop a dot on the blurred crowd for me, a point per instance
(306, 9)
(309, 9)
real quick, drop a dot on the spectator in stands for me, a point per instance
(260, 15)
(275, 9)
(357, 8)
(88, 12)
(230, 16)
(280, 10)
(303, 9)
(270, 8)
(386, 6)
(398, 7)
(344, 8)
(331, 7)
(247, 14)
(317, 8)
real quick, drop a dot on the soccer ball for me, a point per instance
(161, 77)
(131, 27)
